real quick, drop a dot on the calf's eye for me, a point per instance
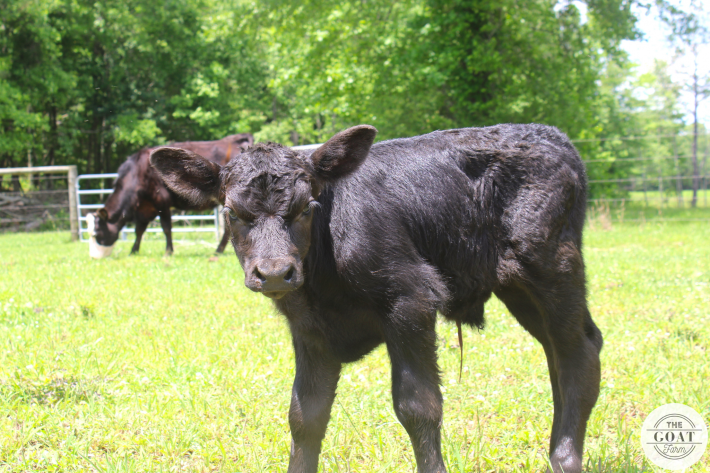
(307, 211)
(234, 217)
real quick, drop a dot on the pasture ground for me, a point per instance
(153, 363)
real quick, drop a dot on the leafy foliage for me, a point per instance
(411, 67)
(108, 77)
(90, 82)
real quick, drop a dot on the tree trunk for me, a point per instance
(678, 182)
(53, 136)
(29, 165)
(16, 186)
(96, 129)
(696, 171)
(705, 170)
(98, 119)
(108, 143)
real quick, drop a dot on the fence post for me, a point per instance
(73, 211)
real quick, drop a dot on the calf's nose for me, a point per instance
(274, 274)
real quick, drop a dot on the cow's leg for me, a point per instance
(140, 230)
(576, 350)
(552, 307)
(523, 307)
(410, 335)
(166, 223)
(317, 375)
(225, 240)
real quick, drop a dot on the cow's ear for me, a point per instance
(245, 140)
(189, 175)
(102, 213)
(343, 153)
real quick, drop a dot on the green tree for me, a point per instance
(90, 82)
(414, 66)
(108, 77)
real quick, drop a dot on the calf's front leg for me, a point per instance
(225, 239)
(140, 230)
(415, 385)
(317, 374)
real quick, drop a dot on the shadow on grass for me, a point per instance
(625, 459)
(617, 465)
(28, 391)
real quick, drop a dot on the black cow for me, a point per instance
(139, 194)
(357, 252)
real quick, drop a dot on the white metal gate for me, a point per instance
(83, 209)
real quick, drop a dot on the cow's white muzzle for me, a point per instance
(96, 251)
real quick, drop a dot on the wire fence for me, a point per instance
(653, 176)
(34, 202)
(93, 191)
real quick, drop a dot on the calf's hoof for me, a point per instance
(565, 458)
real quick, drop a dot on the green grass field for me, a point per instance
(639, 209)
(153, 363)
(670, 198)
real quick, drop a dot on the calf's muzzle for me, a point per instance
(273, 277)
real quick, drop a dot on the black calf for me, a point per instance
(357, 252)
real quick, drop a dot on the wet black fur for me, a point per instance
(434, 223)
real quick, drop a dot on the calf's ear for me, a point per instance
(189, 175)
(343, 153)
(102, 213)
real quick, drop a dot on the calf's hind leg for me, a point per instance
(554, 310)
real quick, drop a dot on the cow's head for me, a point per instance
(97, 250)
(105, 229)
(243, 141)
(269, 194)
(110, 219)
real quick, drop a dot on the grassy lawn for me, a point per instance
(639, 211)
(153, 363)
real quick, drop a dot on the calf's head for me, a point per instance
(269, 194)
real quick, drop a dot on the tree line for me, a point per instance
(90, 82)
